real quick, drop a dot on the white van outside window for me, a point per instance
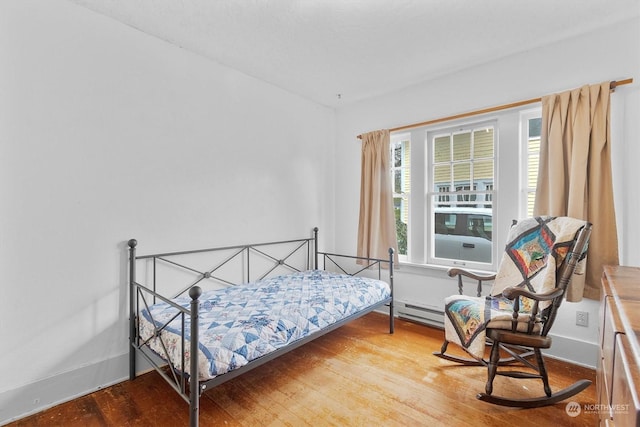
(463, 234)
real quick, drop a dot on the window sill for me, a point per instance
(415, 268)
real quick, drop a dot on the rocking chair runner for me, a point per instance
(518, 318)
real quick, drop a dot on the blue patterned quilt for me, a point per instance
(242, 323)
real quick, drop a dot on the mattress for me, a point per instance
(245, 322)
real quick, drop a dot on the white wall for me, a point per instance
(108, 134)
(608, 54)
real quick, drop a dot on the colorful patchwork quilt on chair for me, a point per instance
(535, 250)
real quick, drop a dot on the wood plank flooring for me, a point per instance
(358, 375)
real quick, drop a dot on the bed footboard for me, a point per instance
(187, 386)
(364, 266)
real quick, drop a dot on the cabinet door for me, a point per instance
(604, 296)
(611, 326)
(625, 405)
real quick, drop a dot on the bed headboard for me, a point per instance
(222, 266)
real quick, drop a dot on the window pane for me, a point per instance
(535, 126)
(441, 176)
(401, 209)
(483, 143)
(462, 146)
(483, 174)
(442, 149)
(461, 173)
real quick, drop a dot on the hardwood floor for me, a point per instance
(358, 375)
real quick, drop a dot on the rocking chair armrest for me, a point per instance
(512, 293)
(533, 313)
(453, 272)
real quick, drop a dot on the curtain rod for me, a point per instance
(612, 86)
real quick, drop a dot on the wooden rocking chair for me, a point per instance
(523, 336)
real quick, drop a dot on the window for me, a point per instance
(532, 123)
(461, 158)
(456, 186)
(401, 179)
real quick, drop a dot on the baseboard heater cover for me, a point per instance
(420, 313)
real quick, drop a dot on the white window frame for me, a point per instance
(509, 195)
(431, 194)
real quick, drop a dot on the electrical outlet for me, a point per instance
(582, 318)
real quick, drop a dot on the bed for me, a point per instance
(259, 302)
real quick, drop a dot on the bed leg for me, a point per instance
(391, 318)
(194, 384)
(132, 308)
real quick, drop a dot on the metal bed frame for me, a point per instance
(142, 296)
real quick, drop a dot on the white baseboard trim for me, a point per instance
(49, 392)
(564, 348)
(574, 351)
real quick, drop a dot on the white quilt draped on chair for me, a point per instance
(535, 250)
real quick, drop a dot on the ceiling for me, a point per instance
(336, 52)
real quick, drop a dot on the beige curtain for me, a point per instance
(574, 178)
(376, 228)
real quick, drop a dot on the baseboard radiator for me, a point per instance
(421, 313)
